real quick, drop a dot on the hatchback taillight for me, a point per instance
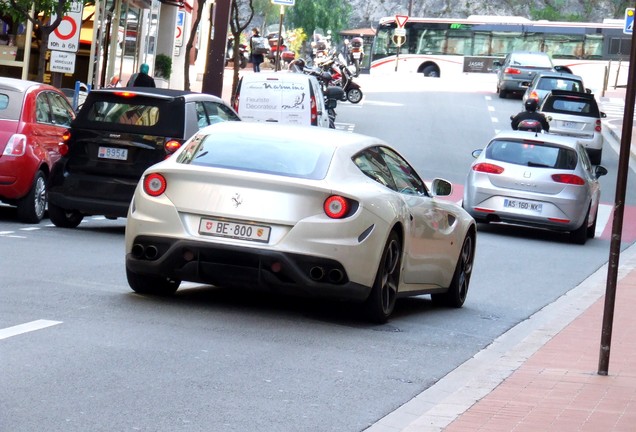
(16, 146)
(63, 146)
(568, 179)
(512, 71)
(488, 168)
(172, 145)
(336, 207)
(155, 184)
(597, 128)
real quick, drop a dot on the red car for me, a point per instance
(34, 118)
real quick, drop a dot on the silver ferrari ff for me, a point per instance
(536, 179)
(298, 210)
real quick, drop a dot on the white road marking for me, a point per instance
(30, 229)
(26, 328)
(491, 108)
(602, 218)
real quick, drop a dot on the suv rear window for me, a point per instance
(143, 115)
(532, 154)
(570, 105)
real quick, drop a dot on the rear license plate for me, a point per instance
(569, 125)
(523, 205)
(242, 231)
(112, 153)
(356, 55)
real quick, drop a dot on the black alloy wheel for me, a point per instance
(458, 290)
(381, 302)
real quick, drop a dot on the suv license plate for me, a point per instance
(112, 153)
(235, 230)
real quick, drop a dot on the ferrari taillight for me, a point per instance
(336, 207)
(154, 184)
(488, 168)
(16, 146)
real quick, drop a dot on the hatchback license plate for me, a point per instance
(523, 205)
(242, 231)
(112, 153)
(570, 125)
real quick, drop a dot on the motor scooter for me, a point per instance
(343, 77)
(243, 53)
(356, 54)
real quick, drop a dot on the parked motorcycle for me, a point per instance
(342, 76)
(243, 53)
(356, 54)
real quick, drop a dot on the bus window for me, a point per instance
(459, 43)
(564, 46)
(532, 42)
(503, 43)
(431, 42)
(481, 44)
(593, 47)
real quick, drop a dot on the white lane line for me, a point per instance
(602, 218)
(30, 229)
(26, 327)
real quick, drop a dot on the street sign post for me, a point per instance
(629, 21)
(66, 36)
(399, 36)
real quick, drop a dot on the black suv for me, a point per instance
(117, 134)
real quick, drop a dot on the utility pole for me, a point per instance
(217, 42)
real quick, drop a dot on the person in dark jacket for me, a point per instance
(257, 59)
(143, 79)
(530, 114)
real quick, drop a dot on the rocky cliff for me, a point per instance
(366, 13)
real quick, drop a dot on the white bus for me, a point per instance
(441, 47)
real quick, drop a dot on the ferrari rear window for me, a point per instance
(533, 154)
(289, 157)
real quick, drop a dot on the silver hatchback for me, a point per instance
(539, 180)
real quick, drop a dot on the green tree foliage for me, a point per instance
(325, 14)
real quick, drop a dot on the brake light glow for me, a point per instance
(314, 111)
(16, 146)
(126, 94)
(534, 96)
(336, 207)
(488, 168)
(568, 179)
(155, 184)
(597, 128)
(172, 145)
(235, 105)
(512, 71)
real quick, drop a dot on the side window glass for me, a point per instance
(61, 112)
(202, 118)
(370, 162)
(405, 177)
(42, 109)
(218, 112)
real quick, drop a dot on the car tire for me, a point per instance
(430, 71)
(63, 218)
(354, 95)
(31, 207)
(580, 235)
(151, 284)
(458, 289)
(381, 301)
(503, 94)
(591, 230)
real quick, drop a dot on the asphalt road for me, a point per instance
(106, 359)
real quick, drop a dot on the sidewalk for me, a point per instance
(542, 375)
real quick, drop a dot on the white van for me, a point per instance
(283, 97)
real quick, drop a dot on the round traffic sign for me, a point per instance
(66, 35)
(399, 40)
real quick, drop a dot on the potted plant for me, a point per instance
(163, 69)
